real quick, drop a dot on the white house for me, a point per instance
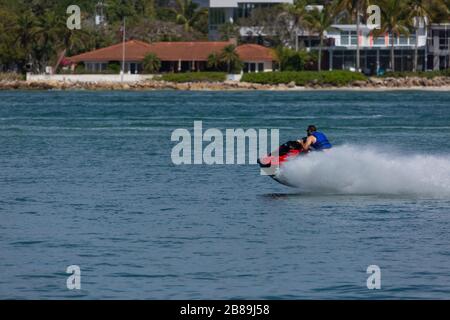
(374, 49)
(223, 11)
(439, 46)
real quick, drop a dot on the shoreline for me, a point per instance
(370, 85)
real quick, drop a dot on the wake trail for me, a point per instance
(366, 170)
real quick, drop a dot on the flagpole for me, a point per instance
(123, 51)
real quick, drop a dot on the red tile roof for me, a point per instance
(134, 51)
(173, 51)
(187, 51)
(255, 52)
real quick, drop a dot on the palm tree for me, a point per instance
(119, 9)
(419, 11)
(230, 57)
(298, 13)
(228, 30)
(214, 61)
(8, 49)
(74, 40)
(25, 31)
(440, 10)
(146, 8)
(283, 54)
(395, 21)
(354, 8)
(50, 27)
(188, 13)
(319, 21)
(151, 63)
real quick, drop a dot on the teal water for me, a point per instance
(87, 179)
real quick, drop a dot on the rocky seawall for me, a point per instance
(442, 83)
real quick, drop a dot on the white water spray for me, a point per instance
(365, 170)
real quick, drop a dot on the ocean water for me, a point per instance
(87, 179)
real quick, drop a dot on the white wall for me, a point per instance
(88, 77)
(365, 35)
(234, 3)
(234, 77)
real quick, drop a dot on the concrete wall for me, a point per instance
(103, 77)
(88, 77)
(234, 77)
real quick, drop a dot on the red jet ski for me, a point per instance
(287, 151)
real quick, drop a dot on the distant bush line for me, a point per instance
(421, 74)
(11, 76)
(302, 78)
(193, 77)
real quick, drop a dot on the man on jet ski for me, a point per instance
(315, 139)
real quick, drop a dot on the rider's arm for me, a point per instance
(309, 141)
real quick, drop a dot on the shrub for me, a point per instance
(214, 62)
(193, 77)
(11, 76)
(291, 60)
(151, 63)
(114, 67)
(302, 78)
(80, 68)
(421, 74)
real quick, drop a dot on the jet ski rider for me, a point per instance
(315, 139)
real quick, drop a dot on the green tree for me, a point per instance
(419, 11)
(188, 14)
(117, 10)
(214, 61)
(293, 60)
(396, 21)
(151, 63)
(48, 37)
(319, 21)
(230, 58)
(228, 31)
(356, 9)
(298, 13)
(25, 33)
(146, 8)
(8, 48)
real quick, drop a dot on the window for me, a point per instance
(394, 39)
(353, 38)
(245, 9)
(378, 41)
(344, 38)
(216, 16)
(260, 67)
(349, 38)
(92, 67)
(314, 43)
(403, 40)
(444, 39)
